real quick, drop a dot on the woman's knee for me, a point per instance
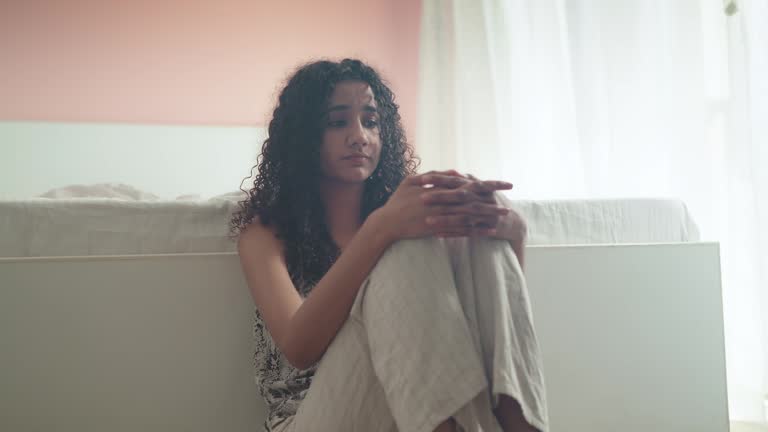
(411, 256)
(491, 249)
(410, 271)
(431, 254)
(489, 244)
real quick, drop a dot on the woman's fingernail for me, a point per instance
(430, 220)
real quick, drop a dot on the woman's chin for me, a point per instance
(358, 175)
(356, 179)
(349, 177)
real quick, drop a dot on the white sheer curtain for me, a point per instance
(618, 98)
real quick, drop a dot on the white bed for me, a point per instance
(631, 336)
(97, 226)
(161, 342)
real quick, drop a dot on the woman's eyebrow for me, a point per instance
(338, 108)
(367, 108)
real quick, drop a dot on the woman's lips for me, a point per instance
(356, 159)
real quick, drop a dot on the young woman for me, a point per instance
(385, 300)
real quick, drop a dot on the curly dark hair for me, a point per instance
(284, 193)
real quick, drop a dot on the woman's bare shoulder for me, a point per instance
(259, 238)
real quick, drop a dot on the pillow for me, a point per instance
(101, 190)
(230, 196)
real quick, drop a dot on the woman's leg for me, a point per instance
(494, 297)
(422, 349)
(412, 353)
(405, 359)
(345, 394)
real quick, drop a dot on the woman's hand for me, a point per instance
(409, 212)
(454, 193)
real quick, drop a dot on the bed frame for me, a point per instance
(632, 339)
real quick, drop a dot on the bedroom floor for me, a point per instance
(748, 427)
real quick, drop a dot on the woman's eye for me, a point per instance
(336, 123)
(371, 123)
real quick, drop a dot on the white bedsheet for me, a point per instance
(88, 226)
(608, 221)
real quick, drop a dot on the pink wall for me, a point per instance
(189, 62)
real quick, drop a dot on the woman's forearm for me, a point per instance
(324, 311)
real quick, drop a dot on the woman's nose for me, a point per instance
(357, 135)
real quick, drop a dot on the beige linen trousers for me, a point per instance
(439, 329)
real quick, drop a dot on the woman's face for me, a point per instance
(351, 141)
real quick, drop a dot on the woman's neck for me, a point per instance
(342, 202)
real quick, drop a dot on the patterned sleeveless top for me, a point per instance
(282, 386)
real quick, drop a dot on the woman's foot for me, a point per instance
(510, 416)
(446, 426)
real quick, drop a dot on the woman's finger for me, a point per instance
(471, 209)
(449, 222)
(460, 226)
(480, 209)
(485, 221)
(455, 196)
(467, 232)
(489, 186)
(462, 221)
(487, 197)
(452, 196)
(444, 180)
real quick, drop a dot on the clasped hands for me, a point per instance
(449, 204)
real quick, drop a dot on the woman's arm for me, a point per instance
(303, 329)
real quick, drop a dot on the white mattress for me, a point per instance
(58, 227)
